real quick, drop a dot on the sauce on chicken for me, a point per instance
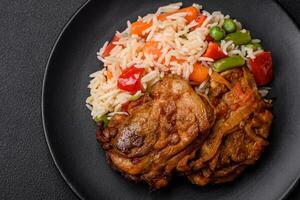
(210, 139)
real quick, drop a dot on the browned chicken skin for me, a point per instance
(159, 131)
(209, 139)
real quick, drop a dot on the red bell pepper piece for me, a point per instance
(262, 68)
(110, 46)
(214, 51)
(130, 79)
(200, 19)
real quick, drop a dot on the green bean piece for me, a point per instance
(229, 26)
(104, 119)
(254, 46)
(228, 63)
(239, 38)
(136, 97)
(217, 33)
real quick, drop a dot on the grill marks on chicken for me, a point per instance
(209, 139)
(158, 132)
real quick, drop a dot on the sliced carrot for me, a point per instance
(191, 11)
(138, 27)
(109, 75)
(174, 59)
(199, 74)
(151, 48)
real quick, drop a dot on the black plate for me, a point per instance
(70, 131)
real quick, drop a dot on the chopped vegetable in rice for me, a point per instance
(189, 42)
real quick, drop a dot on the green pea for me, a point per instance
(254, 46)
(229, 26)
(239, 38)
(228, 63)
(104, 119)
(217, 33)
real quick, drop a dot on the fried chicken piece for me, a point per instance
(161, 129)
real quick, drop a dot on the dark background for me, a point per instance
(28, 30)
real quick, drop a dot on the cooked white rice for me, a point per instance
(176, 38)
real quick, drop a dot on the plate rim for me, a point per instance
(53, 49)
(69, 183)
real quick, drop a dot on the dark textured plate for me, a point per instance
(70, 131)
